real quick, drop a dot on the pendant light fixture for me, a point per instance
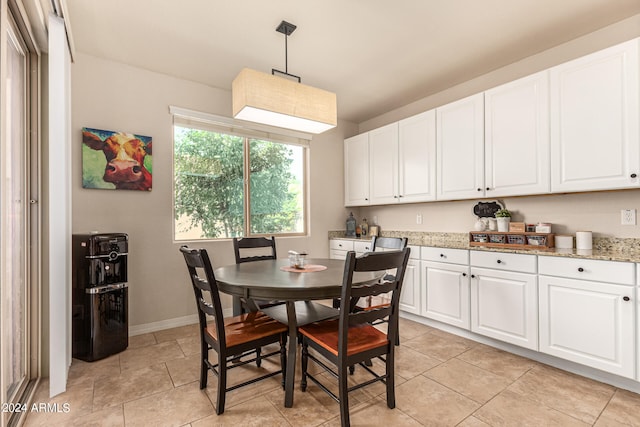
(281, 101)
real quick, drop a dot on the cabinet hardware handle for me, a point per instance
(499, 262)
(633, 175)
(400, 195)
(580, 269)
(479, 189)
(626, 298)
(473, 276)
(464, 274)
(442, 256)
(487, 189)
(395, 197)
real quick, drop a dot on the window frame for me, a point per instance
(215, 124)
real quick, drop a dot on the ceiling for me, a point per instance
(376, 55)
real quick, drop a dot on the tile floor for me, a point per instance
(442, 380)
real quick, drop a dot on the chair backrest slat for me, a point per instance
(373, 289)
(249, 243)
(371, 261)
(369, 315)
(378, 243)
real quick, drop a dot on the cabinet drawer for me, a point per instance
(343, 245)
(451, 256)
(337, 254)
(504, 261)
(588, 269)
(362, 247)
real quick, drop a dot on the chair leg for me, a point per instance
(258, 358)
(204, 353)
(304, 364)
(343, 394)
(390, 381)
(222, 384)
(283, 358)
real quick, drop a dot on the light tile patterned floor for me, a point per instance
(442, 380)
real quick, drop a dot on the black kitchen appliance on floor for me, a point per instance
(99, 295)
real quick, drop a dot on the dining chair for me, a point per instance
(250, 249)
(352, 339)
(379, 244)
(232, 338)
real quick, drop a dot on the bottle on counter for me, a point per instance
(364, 228)
(351, 226)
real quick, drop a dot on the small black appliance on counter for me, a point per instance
(100, 324)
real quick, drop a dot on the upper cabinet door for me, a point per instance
(356, 170)
(517, 137)
(594, 121)
(417, 158)
(383, 165)
(460, 149)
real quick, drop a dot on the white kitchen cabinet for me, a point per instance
(445, 281)
(460, 149)
(401, 167)
(417, 158)
(516, 143)
(360, 247)
(410, 293)
(383, 165)
(504, 302)
(338, 248)
(588, 322)
(595, 121)
(356, 170)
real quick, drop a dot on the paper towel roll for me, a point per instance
(584, 240)
(564, 241)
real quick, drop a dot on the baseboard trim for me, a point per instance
(146, 328)
(566, 365)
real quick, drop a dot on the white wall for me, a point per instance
(597, 211)
(114, 96)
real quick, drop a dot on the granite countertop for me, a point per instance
(604, 248)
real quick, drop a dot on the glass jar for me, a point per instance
(351, 226)
(364, 228)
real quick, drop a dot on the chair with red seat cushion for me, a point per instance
(351, 339)
(231, 338)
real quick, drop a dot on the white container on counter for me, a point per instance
(584, 240)
(564, 241)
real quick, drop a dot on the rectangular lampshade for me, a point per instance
(275, 101)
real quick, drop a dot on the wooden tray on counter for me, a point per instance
(512, 240)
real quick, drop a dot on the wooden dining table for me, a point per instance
(275, 280)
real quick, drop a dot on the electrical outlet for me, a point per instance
(628, 217)
(419, 219)
(375, 219)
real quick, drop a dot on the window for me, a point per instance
(215, 200)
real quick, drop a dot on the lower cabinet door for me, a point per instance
(410, 294)
(504, 306)
(446, 293)
(589, 323)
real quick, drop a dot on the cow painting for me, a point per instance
(116, 160)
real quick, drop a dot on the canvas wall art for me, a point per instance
(116, 160)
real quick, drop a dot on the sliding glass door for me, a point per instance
(16, 216)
